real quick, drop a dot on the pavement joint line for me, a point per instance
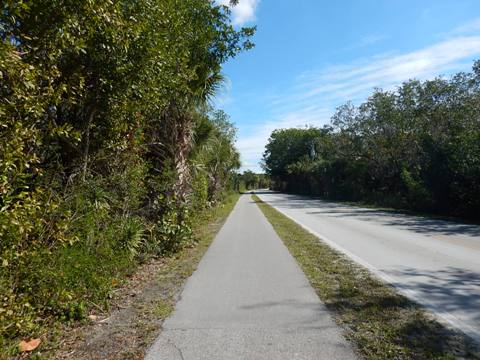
(443, 316)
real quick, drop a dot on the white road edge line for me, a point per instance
(443, 316)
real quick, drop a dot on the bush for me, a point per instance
(97, 123)
(173, 231)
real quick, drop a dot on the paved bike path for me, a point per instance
(249, 299)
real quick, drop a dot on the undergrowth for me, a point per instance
(59, 282)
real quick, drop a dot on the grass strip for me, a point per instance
(381, 323)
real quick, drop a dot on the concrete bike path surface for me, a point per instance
(249, 299)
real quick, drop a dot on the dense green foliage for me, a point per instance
(416, 148)
(250, 181)
(107, 143)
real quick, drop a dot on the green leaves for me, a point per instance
(416, 147)
(98, 101)
(286, 146)
(215, 153)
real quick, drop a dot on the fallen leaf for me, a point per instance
(29, 345)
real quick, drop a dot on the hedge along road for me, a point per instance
(434, 262)
(249, 299)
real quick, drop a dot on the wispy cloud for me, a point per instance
(315, 94)
(243, 12)
(468, 28)
(365, 41)
(353, 81)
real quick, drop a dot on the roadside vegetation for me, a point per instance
(380, 323)
(109, 147)
(415, 148)
(250, 181)
(140, 305)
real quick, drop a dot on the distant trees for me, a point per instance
(417, 147)
(250, 181)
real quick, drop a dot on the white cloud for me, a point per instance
(354, 81)
(314, 96)
(365, 41)
(468, 28)
(243, 12)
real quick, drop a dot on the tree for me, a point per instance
(416, 147)
(250, 179)
(99, 106)
(215, 153)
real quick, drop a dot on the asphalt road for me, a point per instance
(249, 299)
(434, 262)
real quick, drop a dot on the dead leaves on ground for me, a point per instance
(29, 345)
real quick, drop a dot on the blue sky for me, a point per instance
(314, 55)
